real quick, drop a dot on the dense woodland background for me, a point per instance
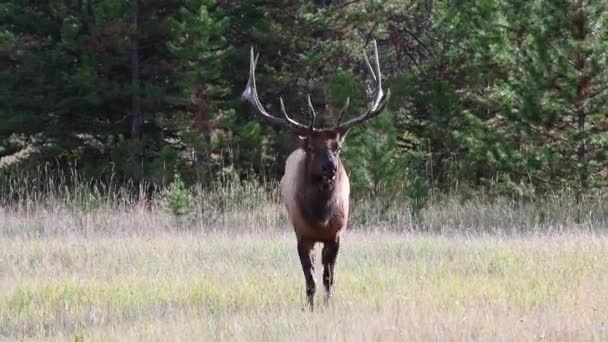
(504, 97)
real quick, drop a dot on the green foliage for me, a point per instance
(504, 97)
(69, 85)
(85, 199)
(418, 189)
(373, 159)
(177, 199)
(342, 86)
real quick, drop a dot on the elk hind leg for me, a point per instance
(330, 254)
(305, 251)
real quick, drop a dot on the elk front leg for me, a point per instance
(305, 250)
(330, 253)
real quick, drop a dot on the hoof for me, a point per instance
(307, 308)
(329, 301)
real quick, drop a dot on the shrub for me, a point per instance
(177, 199)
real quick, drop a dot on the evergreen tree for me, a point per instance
(108, 82)
(503, 95)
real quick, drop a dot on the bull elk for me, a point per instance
(315, 187)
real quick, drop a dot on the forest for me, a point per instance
(138, 188)
(504, 97)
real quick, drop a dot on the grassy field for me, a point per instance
(139, 274)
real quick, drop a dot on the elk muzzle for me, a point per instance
(329, 170)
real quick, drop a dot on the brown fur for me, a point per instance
(317, 213)
(315, 186)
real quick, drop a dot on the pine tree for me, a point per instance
(109, 83)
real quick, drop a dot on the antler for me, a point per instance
(342, 111)
(380, 98)
(378, 103)
(251, 94)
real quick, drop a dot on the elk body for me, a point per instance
(315, 187)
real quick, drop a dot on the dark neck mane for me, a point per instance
(318, 206)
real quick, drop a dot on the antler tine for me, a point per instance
(342, 111)
(251, 95)
(380, 98)
(313, 114)
(378, 72)
(287, 118)
(369, 65)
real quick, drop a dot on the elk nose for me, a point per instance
(329, 170)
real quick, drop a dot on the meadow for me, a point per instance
(474, 270)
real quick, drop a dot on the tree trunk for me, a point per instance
(582, 98)
(136, 114)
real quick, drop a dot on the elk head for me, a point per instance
(322, 146)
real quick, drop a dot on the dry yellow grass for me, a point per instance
(132, 274)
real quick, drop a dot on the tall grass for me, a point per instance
(219, 286)
(62, 205)
(102, 261)
(50, 202)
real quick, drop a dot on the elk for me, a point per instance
(315, 188)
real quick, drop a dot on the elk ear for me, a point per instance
(304, 142)
(342, 132)
(303, 137)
